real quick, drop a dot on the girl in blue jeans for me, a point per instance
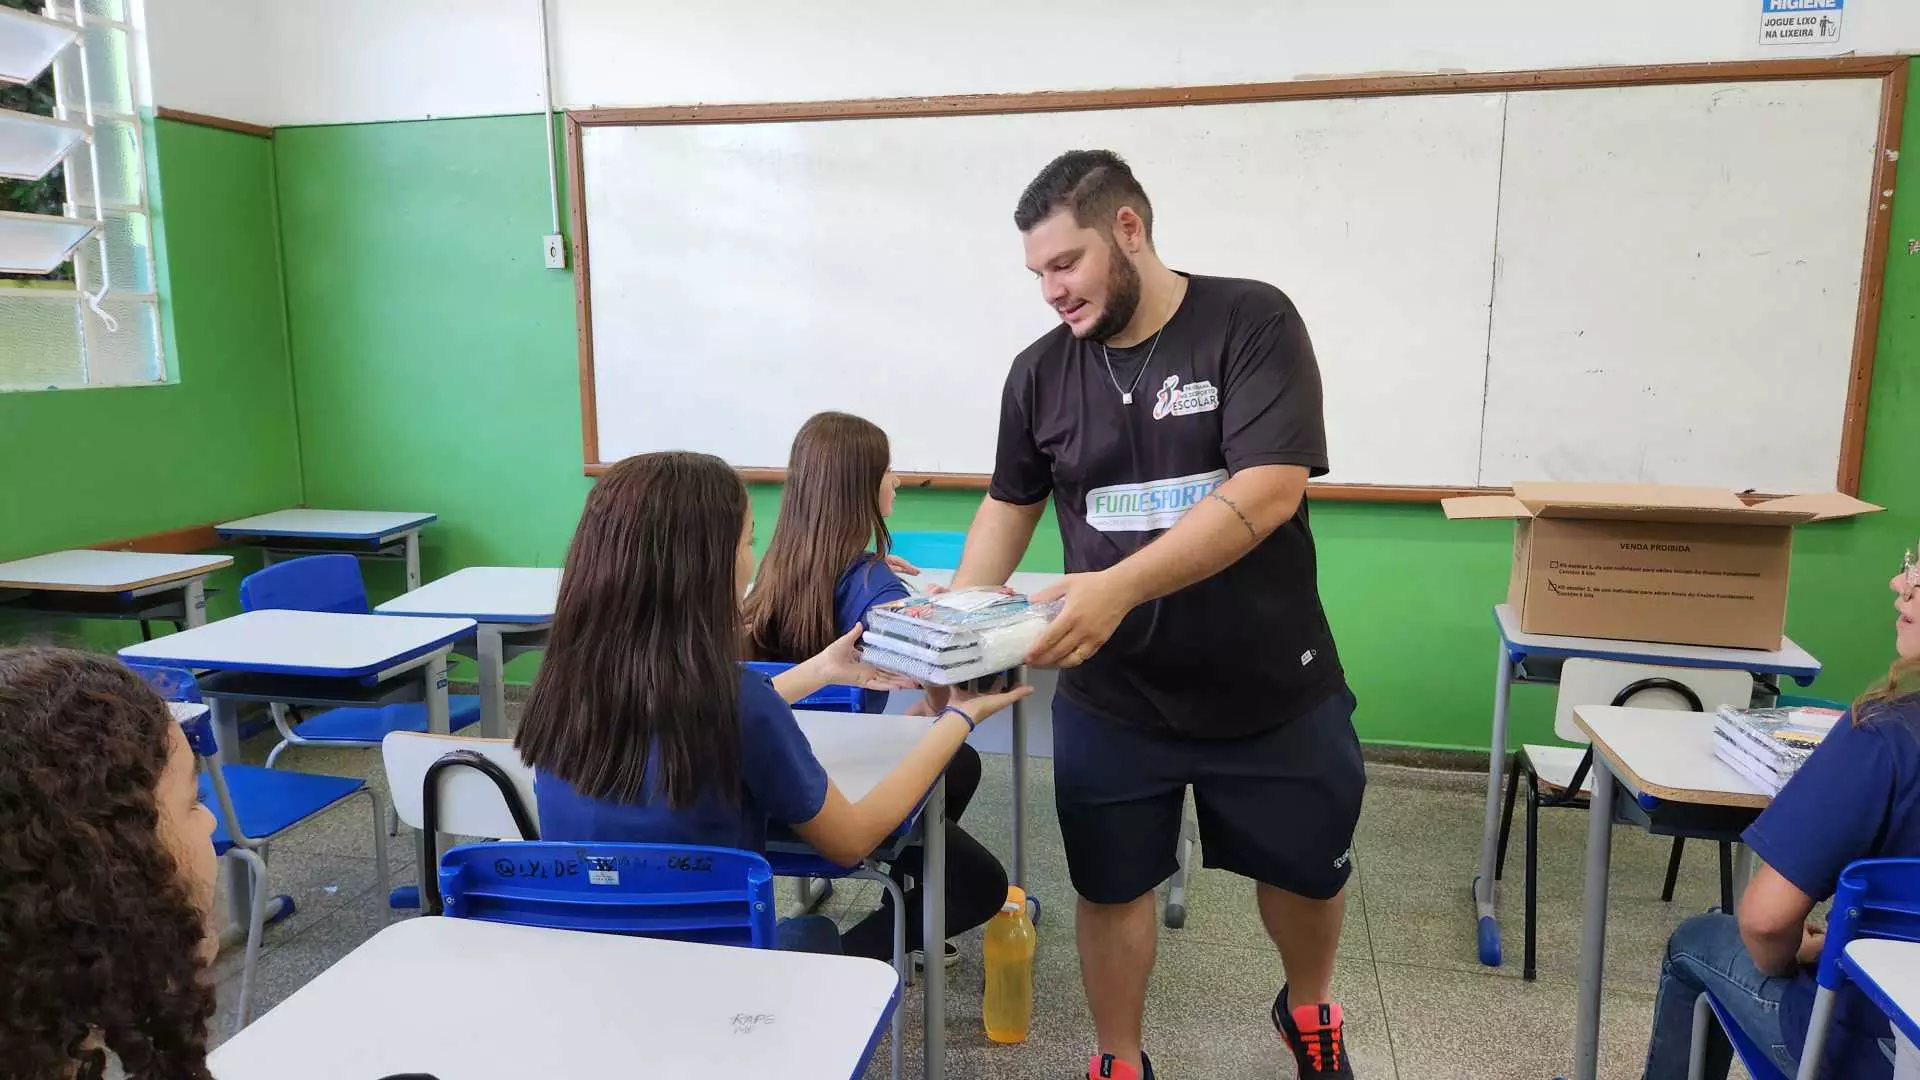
(1857, 797)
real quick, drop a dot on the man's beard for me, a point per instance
(1123, 297)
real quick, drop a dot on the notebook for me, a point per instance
(947, 638)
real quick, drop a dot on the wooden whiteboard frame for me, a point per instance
(1890, 70)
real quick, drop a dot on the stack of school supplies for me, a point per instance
(1767, 746)
(951, 637)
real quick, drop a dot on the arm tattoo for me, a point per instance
(1231, 505)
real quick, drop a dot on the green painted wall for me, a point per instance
(220, 443)
(435, 362)
(78, 467)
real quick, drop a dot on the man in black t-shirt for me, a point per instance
(1174, 420)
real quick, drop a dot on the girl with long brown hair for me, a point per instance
(643, 726)
(825, 568)
(1856, 797)
(106, 875)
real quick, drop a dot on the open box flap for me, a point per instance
(1635, 496)
(1484, 508)
(1824, 506)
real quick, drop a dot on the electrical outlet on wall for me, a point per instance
(556, 251)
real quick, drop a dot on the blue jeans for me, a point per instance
(1706, 953)
(808, 933)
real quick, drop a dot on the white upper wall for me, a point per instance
(354, 61)
(209, 56)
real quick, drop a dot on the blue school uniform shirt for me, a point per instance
(1857, 797)
(781, 781)
(865, 583)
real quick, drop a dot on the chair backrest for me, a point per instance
(687, 892)
(178, 685)
(1644, 686)
(171, 683)
(1877, 898)
(312, 583)
(469, 801)
(825, 699)
(930, 550)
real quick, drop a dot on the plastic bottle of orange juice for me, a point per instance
(1008, 949)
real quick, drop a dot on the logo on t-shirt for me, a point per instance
(1156, 504)
(1176, 400)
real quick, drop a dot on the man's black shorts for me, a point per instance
(1278, 806)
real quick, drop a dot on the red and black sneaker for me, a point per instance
(1108, 1067)
(1317, 1036)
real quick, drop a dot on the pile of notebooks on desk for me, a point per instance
(1767, 746)
(948, 638)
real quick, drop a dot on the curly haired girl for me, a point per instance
(106, 875)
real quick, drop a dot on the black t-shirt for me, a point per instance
(1231, 384)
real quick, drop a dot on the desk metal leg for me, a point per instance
(1593, 928)
(226, 733)
(1487, 924)
(933, 909)
(1175, 915)
(1742, 872)
(491, 657)
(413, 561)
(1019, 723)
(194, 600)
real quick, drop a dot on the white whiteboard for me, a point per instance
(745, 276)
(1677, 305)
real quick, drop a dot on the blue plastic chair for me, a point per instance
(1875, 898)
(825, 699)
(930, 550)
(333, 583)
(253, 805)
(687, 892)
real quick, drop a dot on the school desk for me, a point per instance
(858, 750)
(1536, 658)
(112, 584)
(563, 1003)
(370, 534)
(1663, 762)
(320, 659)
(513, 607)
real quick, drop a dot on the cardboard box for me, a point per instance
(1645, 562)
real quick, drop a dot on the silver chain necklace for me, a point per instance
(1126, 396)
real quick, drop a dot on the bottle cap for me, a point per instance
(1016, 899)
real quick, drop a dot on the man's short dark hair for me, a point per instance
(1093, 184)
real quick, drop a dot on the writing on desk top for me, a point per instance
(748, 1023)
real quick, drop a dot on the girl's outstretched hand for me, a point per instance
(840, 665)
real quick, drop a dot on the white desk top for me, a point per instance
(858, 750)
(318, 643)
(327, 524)
(1894, 967)
(1789, 659)
(1667, 754)
(105, 571)
(488, 594)
(566, 1004)
(1021, 581)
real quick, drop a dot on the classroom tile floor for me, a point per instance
(1419, 1005)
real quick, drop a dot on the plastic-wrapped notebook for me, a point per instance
(1768, 746)
(952, 637)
